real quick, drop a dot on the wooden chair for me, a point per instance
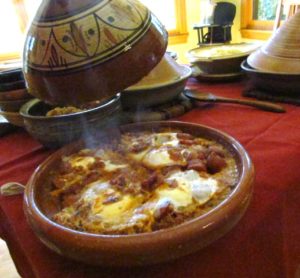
(219, 29)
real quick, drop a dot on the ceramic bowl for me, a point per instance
(215, 77)
(163, 84)
(82, 51)
(221, 59)
(18, 94)
(12, 85)
(278, 83)
(6, 127)
(13, 105)
(12, 75)
(147, 248)
(13, 117)
(56, 131)
(281, 53)
(11, 65)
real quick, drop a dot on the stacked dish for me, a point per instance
(219, 62)
(275, 67)
(163, 84)
(13, 95)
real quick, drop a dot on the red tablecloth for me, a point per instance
(265, 243)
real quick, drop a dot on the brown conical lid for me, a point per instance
(79, 51)
(281, 54)
(59, 9)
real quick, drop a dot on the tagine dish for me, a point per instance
(140, 194)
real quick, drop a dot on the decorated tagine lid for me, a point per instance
(80, 51)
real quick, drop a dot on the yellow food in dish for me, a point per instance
(220, 52)
(141, 183)
(58, 111)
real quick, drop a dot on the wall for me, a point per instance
(196, 10)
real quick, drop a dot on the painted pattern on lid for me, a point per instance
(92, 36)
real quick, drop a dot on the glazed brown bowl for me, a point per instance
(56, 131)
(146, 248)
(220, 59)
(81, 51)
(164, 83)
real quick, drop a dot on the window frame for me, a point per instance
(254, 29)
(180, 34)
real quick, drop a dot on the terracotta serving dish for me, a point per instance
(146, 248)
(281, 53)
(278, 83)
(80, 51)
(220, 59)
(56, 131)
(163, 84)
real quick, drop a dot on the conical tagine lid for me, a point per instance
(281, 54)
(80, 51)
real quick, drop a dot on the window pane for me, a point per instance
(265, 10)
(10, 31)
(164, 10)
(31, 7)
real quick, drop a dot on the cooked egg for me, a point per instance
(178, 197)
(96, 189)
(82, 161)
(165, 139)
(138, 156)
(193, 185)
(118, 212)
(111, 167)
(158, 158)
(86, 161)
